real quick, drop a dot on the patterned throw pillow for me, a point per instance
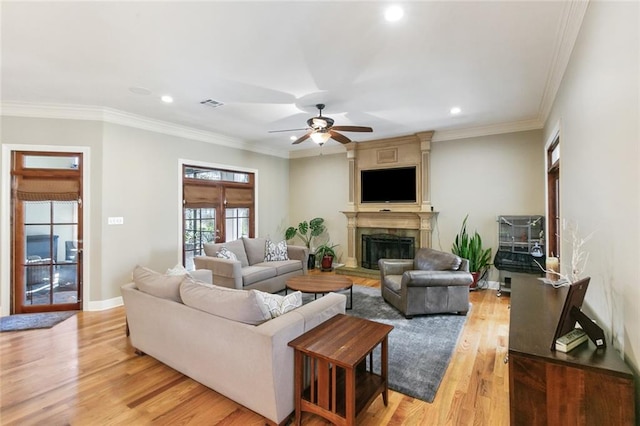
(273, 251)
(225, 253)
(278, 305)
(177, 270)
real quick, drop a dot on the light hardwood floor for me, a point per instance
(84, 372)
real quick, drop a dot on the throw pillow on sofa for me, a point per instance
(177, 270)
(280, 305)
(225, 253)
(236, 305)
(157, 284)
(275, 251)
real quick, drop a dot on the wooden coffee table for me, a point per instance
(336, 352)
(320, 284)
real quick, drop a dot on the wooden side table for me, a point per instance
(334, 356)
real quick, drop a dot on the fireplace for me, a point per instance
(385, 246)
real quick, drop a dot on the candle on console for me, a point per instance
(553, 264)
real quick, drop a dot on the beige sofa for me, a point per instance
(250, 271)
(250, 364)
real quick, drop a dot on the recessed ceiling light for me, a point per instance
(293, 138)
(456, 110)
(166, 98)
(393, 13)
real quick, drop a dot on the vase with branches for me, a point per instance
(579, 258)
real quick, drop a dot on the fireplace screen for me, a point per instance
(385, 246)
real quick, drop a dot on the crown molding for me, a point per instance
(109, 115)
(317, 150)
(438, 136)
(113, 116)
(495, 129)
(567, 34)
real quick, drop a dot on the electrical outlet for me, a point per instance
(115, 220)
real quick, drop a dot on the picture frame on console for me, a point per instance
(572, 314)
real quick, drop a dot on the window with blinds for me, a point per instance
(218, 206)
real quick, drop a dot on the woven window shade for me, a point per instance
(48, 189)
(239, 197)
(201, 196)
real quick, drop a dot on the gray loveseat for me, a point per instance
(250, 271)
(250, 364)
(431, 283)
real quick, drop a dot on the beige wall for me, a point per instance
(141, 183)
(30, 133)
(135, 174)
(484, 177)
(597, 113)
(319, 188)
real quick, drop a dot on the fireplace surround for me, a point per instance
(385, 246)
(390, 218)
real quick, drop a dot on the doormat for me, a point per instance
(33, 321)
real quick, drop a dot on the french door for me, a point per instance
(218, 206)
(553, 199)
(46, 206)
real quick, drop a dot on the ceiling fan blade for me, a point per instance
(353, 128)
(287, 130)
(301, 139)
(340, 138)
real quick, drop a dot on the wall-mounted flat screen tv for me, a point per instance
(397, 185)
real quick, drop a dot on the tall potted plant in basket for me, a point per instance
(306, 231)
(470, 247)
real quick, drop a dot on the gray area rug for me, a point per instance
(32, 321)
(419, 349)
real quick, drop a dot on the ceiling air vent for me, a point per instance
(211, 103)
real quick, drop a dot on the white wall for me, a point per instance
(597, 112)
(32, 133)
(135, 175)
(141, 184)
(484, 177)
(319, 187)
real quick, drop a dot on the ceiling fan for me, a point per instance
(320, 129)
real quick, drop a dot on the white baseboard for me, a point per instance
(102, 305)
(489, 285)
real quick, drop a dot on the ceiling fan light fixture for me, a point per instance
(319, 122)
(320, 137)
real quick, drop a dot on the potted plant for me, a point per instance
(326, 253)
(470, 247)
(306, 231)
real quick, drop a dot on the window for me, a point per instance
(237, 223)
(553, 198)
(218, 205)
(47, 229)
(199, 228)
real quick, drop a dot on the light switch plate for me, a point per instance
(115, 220)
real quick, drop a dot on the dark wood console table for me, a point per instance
(586, 386)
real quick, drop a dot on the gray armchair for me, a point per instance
(434, 282)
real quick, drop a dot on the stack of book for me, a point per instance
(570, 340)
